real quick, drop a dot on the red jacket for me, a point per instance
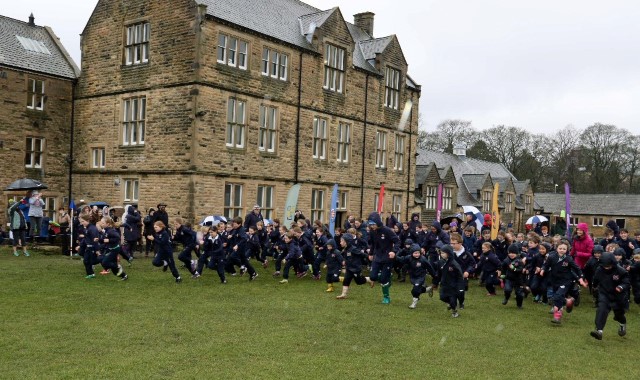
(582, 248)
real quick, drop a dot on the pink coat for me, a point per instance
(582, 247)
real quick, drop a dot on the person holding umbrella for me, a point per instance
(18, 225)
(36, 204)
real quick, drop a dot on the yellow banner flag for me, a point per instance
(495, 213)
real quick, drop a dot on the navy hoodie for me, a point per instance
(382, 241)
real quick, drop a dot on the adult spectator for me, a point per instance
(161, 214)
(36, 204)
(252, 218)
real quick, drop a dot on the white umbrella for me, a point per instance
(536, 219)
(477, 215)
(213, 220)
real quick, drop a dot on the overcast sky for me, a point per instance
(540, 65)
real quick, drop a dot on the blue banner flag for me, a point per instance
(334, 208)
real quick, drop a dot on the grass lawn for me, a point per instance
(57, 324)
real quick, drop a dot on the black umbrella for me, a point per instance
(450, 219)
(26, 184)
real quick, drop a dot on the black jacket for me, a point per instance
(418, 268)
(561, 271)
(607, 281)
(451, 281)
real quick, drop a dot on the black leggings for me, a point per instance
(357, 276)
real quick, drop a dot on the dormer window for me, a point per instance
(392, 88)
(137, 44)
(333, 68)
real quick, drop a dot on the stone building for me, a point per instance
(594, 209)
(37, 78)
(213, 106)
(470, 182)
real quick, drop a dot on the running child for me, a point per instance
(110, 238)
(353, 263)
(164, 257)
(612, 282)
(334, 261)
(418, 267)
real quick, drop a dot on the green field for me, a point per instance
(57, 324)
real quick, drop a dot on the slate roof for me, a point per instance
(374, 46)
(13, 53)
(592, 204)
(463, 165)
(289, 21)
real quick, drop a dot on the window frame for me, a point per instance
(317, 204)
(264, 197)
(396, 209)
(131, 189)
(343, 200)
(98, 157)
(398, 154)
(319, 140)
(233, 193)
(381, 150)
(50, 210)
(233, 50)
(334, 68)
(32, 153)
(274, 64)
(136, 45)
(431, 197)
(268, 129)
(487, 199)
(33, 96)
(236, 132)
(508, 202)
(343, 154)
(447, 198)
(134, 130)
(392, 88)
(598, 221)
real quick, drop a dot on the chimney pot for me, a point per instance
(31, 18)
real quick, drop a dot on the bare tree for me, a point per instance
(507, 144)
(455, 130)
(604, 145)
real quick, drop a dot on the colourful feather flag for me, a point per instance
(291, 204)
(567, 199)
(439, 202)
(380, 200)
(495, 212)
(334, 207)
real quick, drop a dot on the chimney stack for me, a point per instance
(364, 21)
(31, 18)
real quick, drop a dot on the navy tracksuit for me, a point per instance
(321, 253)
(451, 281)
(89, 246)
(489, 264)
(467, 264)
(513, 270)
(561, 272)
(537, 283)
(187, 237)
(165, 252)
(382, 241)
(293, 258)
(111, 249)
(213, 255)
(418, 269)
(238, 237)
(353, 262)
(606, 281)
(334, 265)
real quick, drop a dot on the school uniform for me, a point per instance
(321, 254)
(213, 256)
(561, 272)
(613, 286)
(488, 265)
(513, 271)
(164, 257)
(467, 264)
(353, 263)
(537, 283)
(90, 247)
(238, 237)
(111, 250)
(292, 259)
(451, 283)
(188, 238)
(254, 248)
(334, 262)
(634, 278)
(418, 269)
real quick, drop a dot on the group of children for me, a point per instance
(548, 268)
